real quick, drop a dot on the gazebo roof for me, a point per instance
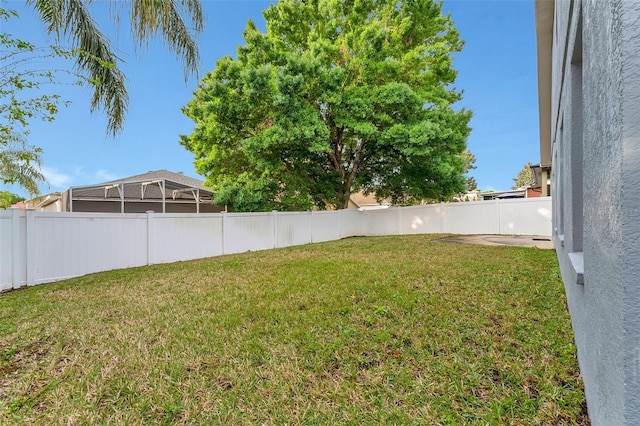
(160, 186)
(146, 186)
(177, 178)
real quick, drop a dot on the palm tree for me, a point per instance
(71, 19)
(20, 164)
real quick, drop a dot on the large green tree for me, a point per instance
(335, 97)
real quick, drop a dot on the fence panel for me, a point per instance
(383, 221)
(325, 226)
(477, 217)
(248, 232)
(352, 223)
(67, 245)
(293, 228)
(175, 236)
(527, 216)
(424, 219)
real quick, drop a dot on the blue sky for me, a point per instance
(497, 72)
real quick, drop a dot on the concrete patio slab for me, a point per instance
(539, 241)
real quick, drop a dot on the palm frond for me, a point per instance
(95, 56)
(21, 166)
(148, 17)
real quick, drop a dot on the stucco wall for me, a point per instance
(630, 203)
(596, 188)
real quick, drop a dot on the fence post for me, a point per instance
(275, 228)
(311, 227)
(498, 214)
(443, 215)
(149, 245)
(30, 240)
(367, 221)
(224, 215)
(17, 252)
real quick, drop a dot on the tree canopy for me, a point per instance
(7, 199)
(524, 178)
(335, 97)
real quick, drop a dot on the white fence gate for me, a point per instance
(40, 247)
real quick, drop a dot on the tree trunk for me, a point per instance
(345, 201)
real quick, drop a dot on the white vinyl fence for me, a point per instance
(40, 247)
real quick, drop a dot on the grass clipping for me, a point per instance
(392, 330)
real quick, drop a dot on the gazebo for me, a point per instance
(160, 191)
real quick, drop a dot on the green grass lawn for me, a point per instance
(392, 330)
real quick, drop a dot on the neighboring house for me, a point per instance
(500, 195)
(542, 181)
(533, 191)
(589, 100)
(160, 191)
(528, 191)
(19, 205)
(361, 201)
(45, 203)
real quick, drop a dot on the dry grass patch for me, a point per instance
(397, 330)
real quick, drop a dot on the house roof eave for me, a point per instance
(544, 15)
